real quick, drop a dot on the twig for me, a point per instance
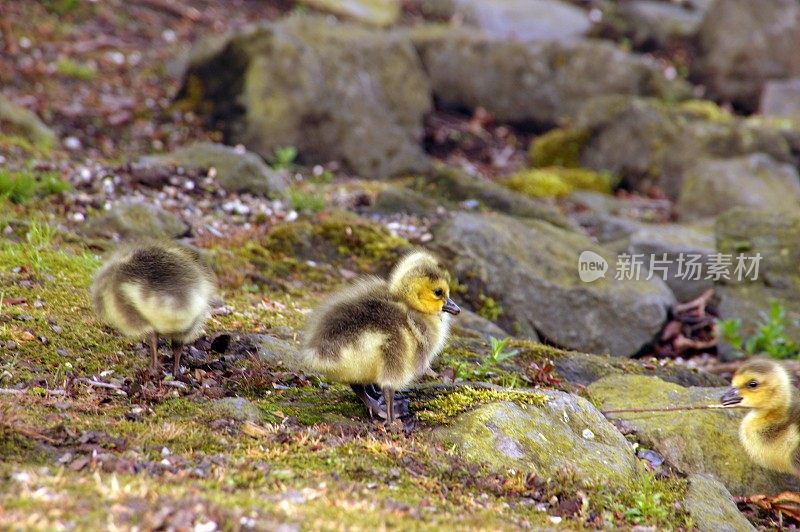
(24, 391)
(98, 384)
(667, 409)
(176, 10)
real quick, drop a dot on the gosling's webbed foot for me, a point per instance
(371, 399)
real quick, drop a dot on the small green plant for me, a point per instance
(647, 506)
(497, 355)
(19, 187)
(284, 157)
(72, 69)
(770, 338)
(305, 201)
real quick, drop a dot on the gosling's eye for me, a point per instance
(752, 385)
(438, 292)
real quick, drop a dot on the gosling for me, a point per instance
(382, 332)
(770, 432)
(155, 288)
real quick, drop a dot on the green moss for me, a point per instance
(704, 109)
(558, 181)
(559, 147)
(489, 308)
(72, 69)
(21, 187)
(446, 407)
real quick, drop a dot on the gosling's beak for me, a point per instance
(731, 397)
(450, 307)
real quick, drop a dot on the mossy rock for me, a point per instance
(530, 269)
(712, 507)
(134, 220)
(454, 185)
(539, 83)
(696, 441)
(639, 139)
(567, 432)
(300, 82)
(236, 170)
(558, 147)
(397, 199)
(16, 121)
(556, 181)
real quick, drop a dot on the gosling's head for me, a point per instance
(760, 384)
(423, 283)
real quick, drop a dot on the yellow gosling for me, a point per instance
(382, 332)
(770, 432)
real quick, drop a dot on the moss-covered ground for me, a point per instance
(151, 455)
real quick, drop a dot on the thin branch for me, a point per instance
(667, 409)
(98, 384)
(24, 391)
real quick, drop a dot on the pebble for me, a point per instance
(72, 143)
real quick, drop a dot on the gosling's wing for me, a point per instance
(364, 307)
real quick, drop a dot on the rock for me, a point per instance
(135, 219)
(530, 269)
(373, 12)
(237, 408)
(17, 121)
(639, 139)
(454, 185)
(774, 236)
(680, 245)
(756, 181)
(524, 20)
(539, 83)
(651, 24)
(237, 170)
(781, 99)
(470, 322)
(333, 91)
(268, 348)
(712, 507)
(582, 369)
(404, 200)
(544, 440)
(734, 64)
(697, 441)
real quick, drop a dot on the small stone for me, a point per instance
(56, 329)
(72, 143)
(588, 434)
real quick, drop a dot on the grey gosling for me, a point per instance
(155, 288)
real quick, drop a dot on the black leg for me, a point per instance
(372, 403)
(154, 362)
(177, 350)
(388, 397)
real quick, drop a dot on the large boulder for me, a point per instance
(696, 441)
(566, 433)
(530, 268)
(20, 122)
(540, 83)
(524, 20)
(742, 43)
(333, 91)
(774, 236)
(712, 507)
(756, 181)
(236, 170)
(649, 143)
(651, 23)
